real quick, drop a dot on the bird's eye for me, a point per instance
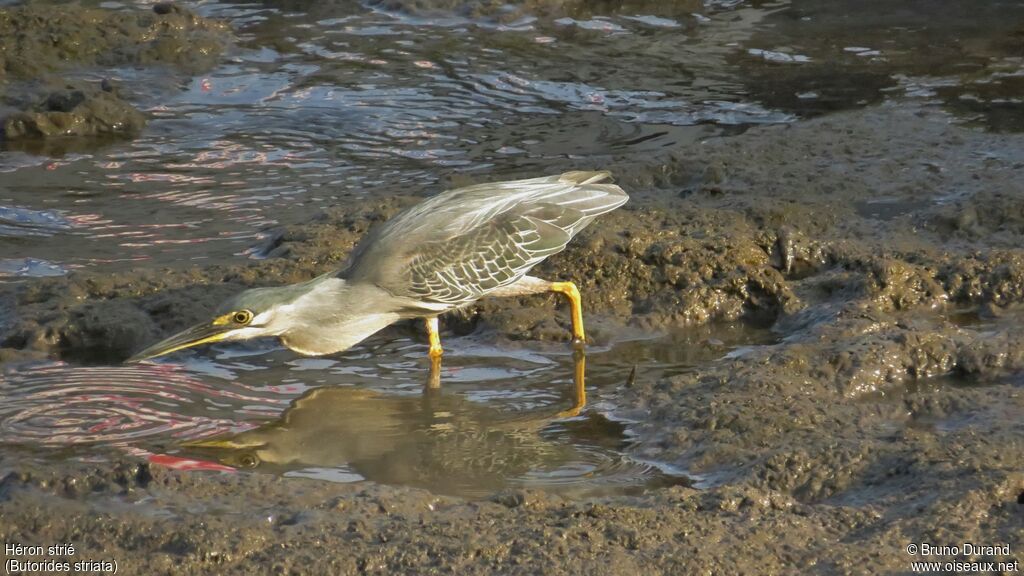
(242, 317)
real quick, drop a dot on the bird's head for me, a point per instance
(251, 314)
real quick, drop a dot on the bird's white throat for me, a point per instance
(333, 316)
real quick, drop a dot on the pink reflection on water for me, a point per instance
(164, 177)
(186, 464)
(58, 404)
(176, 462)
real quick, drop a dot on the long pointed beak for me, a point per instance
(194, 336)
(225, 443)
(234, 451)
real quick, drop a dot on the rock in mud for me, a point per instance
(38, 42)
(75, 111)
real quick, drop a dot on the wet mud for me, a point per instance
(39, 44)
(75, 112)
(881, 246)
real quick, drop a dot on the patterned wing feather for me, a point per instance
(454, 248)
(494, 254)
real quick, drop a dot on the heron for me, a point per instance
(442, 254)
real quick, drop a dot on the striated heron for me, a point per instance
(443, 253)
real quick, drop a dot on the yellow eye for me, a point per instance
(242, 317)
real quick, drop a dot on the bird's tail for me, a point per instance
(590, 194)
(582, 177)
(579, 198)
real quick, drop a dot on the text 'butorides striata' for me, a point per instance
(444, 253)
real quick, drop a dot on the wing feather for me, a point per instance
(455, 247)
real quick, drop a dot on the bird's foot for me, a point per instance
(570, 413)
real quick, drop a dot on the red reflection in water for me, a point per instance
(187, 464)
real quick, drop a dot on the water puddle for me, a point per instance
(502, 418)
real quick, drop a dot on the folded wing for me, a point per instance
(455, 247)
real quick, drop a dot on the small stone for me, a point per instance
(510, 499)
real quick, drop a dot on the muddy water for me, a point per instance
(501, 419)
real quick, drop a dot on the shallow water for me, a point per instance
(498, 421)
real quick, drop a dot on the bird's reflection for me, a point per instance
(440, 441)
(579, 360)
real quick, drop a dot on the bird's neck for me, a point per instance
(332, 315)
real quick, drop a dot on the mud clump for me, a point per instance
(75, 112)
(38, 43)
(55, 320)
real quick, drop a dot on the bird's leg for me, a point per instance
(531, 285)
(579, 360)
(573, 294)
(434, 378)
(435, 338)
(434, 381)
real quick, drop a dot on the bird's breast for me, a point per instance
(331, 335)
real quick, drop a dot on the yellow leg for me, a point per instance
(579, 385)
(434, 380)
(573, 294)
(435, 338)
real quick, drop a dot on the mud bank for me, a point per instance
(883, 248)
(39, 44)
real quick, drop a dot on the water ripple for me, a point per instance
(58, 404)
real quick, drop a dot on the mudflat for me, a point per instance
(869, 262)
